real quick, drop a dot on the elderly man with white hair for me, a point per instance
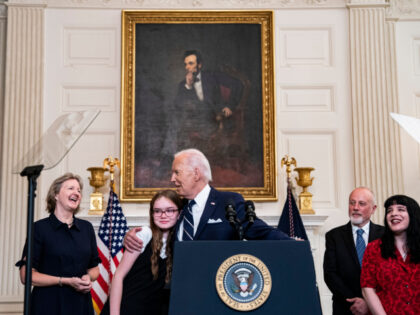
(203, 216)
(344, 249)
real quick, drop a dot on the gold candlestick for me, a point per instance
(97, 198)
(305, 198)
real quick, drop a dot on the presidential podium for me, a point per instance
(253, 277)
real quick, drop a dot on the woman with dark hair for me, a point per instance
(138, 286)
(65, 256)
(390, 277)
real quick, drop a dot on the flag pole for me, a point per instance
(289, 197)
(111, 163)
(290, 221)
(289, 162)
(109, 240)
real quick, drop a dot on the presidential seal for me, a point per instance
(243, 282)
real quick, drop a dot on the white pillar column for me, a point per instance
(3, 28)
(22, 128)
(374, 95)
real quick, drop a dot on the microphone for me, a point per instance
(250, 211)
(230, 211)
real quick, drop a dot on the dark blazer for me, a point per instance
(215, 97)
(341, 266)
(214, 226)
(197, 122)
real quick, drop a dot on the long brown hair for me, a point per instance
(157, 234)
(55, 189)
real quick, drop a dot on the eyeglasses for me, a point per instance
(169, 212)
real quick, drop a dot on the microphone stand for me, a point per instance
(250, 215)
(237, 224)
(32, 172)
(240, 229)
(248, 225)
(234, 221)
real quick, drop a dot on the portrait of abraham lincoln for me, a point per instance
(200, 85)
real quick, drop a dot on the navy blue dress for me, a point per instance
(63, 252)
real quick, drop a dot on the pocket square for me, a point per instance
(212, 221)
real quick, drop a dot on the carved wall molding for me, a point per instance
(186, 4)
(404, 10)
(394, 9)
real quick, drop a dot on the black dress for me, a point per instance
(141, 294)
(63, 252)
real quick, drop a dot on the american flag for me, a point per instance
(290, 220)
(110, 248)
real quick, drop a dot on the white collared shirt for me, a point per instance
(198, 87)
(365, 235)
(197, 209)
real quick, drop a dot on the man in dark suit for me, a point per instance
(204, 101)
(191, 174)
(341, 262)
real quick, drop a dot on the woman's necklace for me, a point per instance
(62, 220)
(403, 253)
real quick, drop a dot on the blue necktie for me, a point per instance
(188, 234)
(360, 245)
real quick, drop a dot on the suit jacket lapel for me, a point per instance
(374, 232)
(349, 240)
(207, 213)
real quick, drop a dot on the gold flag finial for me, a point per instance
(111, 163)
(288, 162)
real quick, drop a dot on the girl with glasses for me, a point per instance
(140, 284)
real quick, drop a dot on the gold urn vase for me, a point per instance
(97, 180)
(305, 198)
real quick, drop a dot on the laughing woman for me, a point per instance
(390, 277)
(65, 257)
(138, 286)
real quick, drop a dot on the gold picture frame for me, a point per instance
(233, 46)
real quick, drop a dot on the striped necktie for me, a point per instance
(360, 245)
(188, 234)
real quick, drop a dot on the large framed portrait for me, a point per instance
(204, 80)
